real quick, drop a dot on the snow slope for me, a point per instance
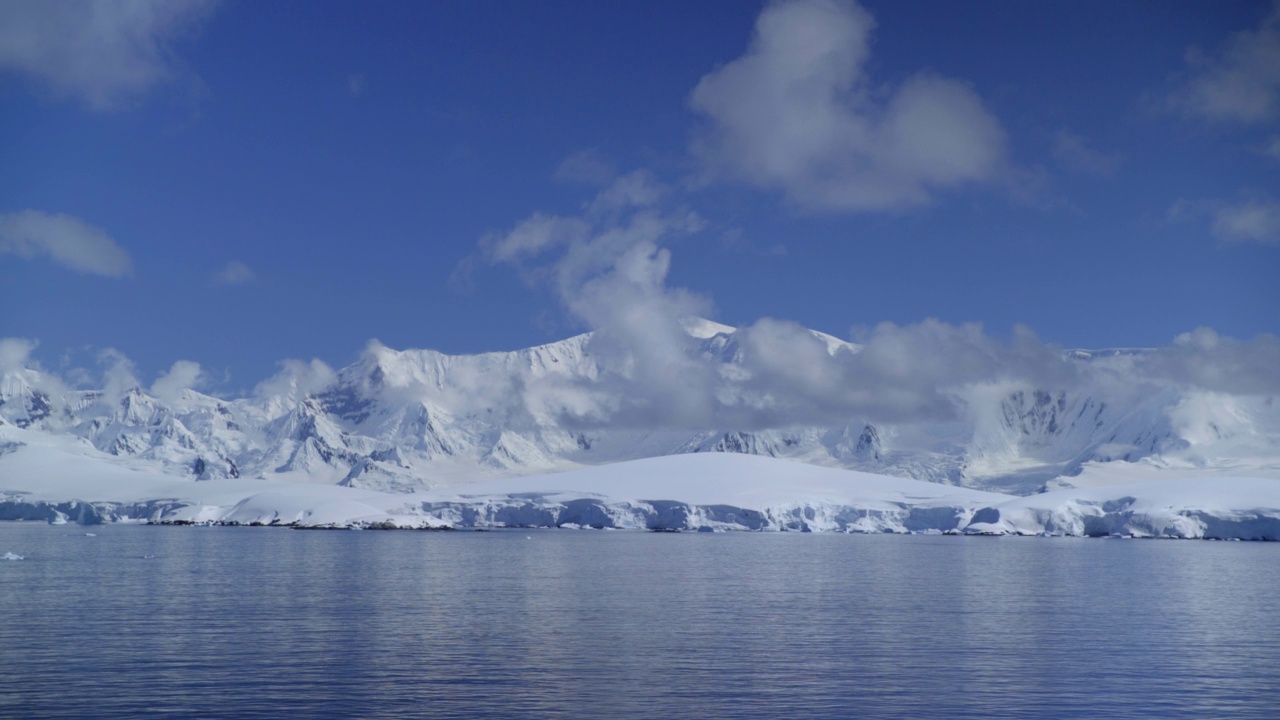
(1190, 507)
(712, 491)
(59, 479)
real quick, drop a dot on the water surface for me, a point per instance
(267, 621)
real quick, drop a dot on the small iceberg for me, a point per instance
(12, 556)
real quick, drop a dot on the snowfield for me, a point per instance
(58, 479)
(1219, 508)
(542, 437)
(712, 491)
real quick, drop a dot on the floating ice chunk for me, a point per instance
(12, 556)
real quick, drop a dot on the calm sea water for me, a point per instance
(266, 622)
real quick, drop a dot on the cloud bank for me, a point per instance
(609, 265)
(105, 53)
(798, 113)
(650, 374)
(66, 240)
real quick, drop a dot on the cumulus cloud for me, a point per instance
(183, 375)
(1202, 358)
(106, 53)
(786, 375)
(15, 353)
(570, 250)
(66, 240)
(1075, 154)
(297, 379)
(119, 375)
(798, 113)
(608, 267)
(15, 356)
(1252, 221)
(1241, 82)
(930, 372)
(234, 273)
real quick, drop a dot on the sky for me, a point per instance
(236, 183)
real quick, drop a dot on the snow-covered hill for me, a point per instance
(59, 479)
(401, 421)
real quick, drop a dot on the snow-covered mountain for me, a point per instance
(410, 420)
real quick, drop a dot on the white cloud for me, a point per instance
(1205, 359)
(1239, 84)
(15, 356)
(635, 189)
(608, 267)
(929, 372)
(610, 273)
(234, 273)
(183, 375)
(15, 353)
(66, 240)
(105, 53)
(898, 373)
(1252, 221)
(798, 113)
(1075, 153)
(297, 379)
(119, 376)
(534, 235)
(586, 167)
(572, 249)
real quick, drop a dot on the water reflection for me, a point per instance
(260, 622)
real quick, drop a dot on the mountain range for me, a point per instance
(411, 420)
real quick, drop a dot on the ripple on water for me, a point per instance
(261, 622)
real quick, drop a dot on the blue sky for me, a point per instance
(240, 182)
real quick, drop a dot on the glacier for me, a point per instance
(422, 439)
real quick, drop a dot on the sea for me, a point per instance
(128, 621)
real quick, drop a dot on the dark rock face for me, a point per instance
(739, 442)
(868, 447)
